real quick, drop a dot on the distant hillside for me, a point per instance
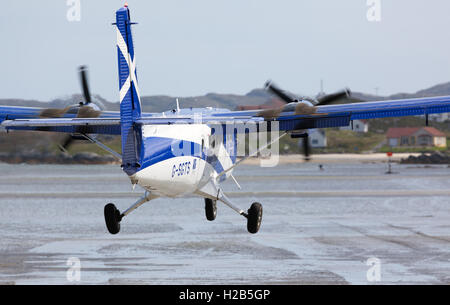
(438, 90)
(19, 102)
(229, 101)
(156, 103)
(59, 102)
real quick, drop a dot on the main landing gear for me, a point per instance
(254, 218)
(113, 217)
(253, 215)
(210, 209)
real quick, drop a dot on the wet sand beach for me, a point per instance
(319, 227)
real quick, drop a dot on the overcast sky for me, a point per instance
(194, 47)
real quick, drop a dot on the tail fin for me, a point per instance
(130, 104)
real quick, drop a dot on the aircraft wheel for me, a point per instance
(112, 218)
(254, 218)
(210, 209)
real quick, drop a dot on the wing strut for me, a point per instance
(249, 156)
(103, 146)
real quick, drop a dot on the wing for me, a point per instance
(86, 126)
(294, 116)
(300, 116)
(111, 126)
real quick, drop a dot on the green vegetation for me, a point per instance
(339, 141)
(22, 142)
(386, 149)
(352, 142)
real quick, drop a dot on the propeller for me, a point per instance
(304, 143)
(84, 85)
(306, 148)
(270, 86)
(320, 101)
(85, 109)
(64, 145)
(302, 108)
(331, 98)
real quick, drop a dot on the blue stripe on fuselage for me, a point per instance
(157, 149)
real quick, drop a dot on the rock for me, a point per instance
(434, 158)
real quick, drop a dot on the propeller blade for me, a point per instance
(66, 143)
(330, 98)
(270, 86)
(306, 148)
(85, 85)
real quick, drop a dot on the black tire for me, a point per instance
(210, 209)
(254, 218)
(112, 218)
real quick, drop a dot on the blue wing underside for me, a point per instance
(23, 118)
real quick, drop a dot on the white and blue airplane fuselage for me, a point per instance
(176, 163)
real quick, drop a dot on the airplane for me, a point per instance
(192, 151)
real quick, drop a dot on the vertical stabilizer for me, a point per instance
(130, 104)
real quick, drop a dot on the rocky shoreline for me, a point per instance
(38, 158)
(434, 158)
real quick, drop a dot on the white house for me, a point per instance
(358, 126)
(441, 117)
(317, 138)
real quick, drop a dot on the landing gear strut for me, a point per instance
(253, 215)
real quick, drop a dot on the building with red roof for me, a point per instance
(416, 136)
